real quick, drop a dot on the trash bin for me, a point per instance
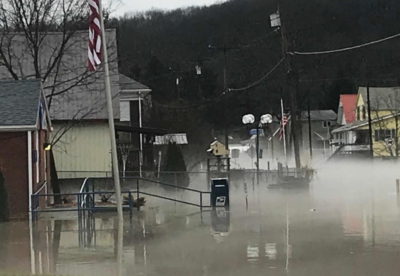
(219, 192)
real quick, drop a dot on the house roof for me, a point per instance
(354, 125)
(382, 98)
(126, 83)
(19, 103)
(349, 105)
(85, 98)
(319, 115)
(357, 124)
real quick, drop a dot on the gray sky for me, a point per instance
(124, 6)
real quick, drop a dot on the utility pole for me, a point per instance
(258, 149)
(309, 128)
(225, 50)
(225, 102)
(292, 86)
(371, 143)
(366, 76)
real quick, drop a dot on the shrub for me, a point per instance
(175, 163)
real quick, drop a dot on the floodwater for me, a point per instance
(346, 223)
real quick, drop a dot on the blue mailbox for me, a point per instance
(219, 192)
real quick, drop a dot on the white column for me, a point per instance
(30, 180)
(140, 136)
(37, 155)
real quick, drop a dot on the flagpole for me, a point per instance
(283, 132)
(107, 83)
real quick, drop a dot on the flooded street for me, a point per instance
(347, 223)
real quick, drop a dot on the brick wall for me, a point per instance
(14, 166)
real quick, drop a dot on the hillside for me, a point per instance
(156, 48)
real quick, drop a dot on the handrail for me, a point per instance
(84, 184)
(163, 184)
(86, 196)
(83, 187)
(41, 187)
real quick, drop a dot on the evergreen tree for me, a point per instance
(175, 167)
(3, 200)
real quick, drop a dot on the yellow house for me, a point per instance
(355, 138)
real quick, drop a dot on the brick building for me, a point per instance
(24, 128)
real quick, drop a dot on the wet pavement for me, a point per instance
(346, 223)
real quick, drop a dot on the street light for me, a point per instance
(264, 120)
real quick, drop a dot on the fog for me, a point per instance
(345, 223)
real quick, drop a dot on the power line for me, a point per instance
(257, 82)
(216, 99)
(345, 49)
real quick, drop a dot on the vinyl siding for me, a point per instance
(84, 151)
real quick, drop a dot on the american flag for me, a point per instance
(284, 121)
(94, 49)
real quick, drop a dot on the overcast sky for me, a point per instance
(127, 6)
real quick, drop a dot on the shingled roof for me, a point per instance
(382, 98)
(319, 115)
(78, 94)
(19, 103)
(126, 83)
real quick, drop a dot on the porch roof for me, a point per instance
(358, 124)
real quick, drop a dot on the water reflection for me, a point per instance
(319, 232)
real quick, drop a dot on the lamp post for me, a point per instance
(264, 120)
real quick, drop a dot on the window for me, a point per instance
(326, 124)
(125, 114)
(382, 134)
(235, 153)
(358, 113)
(364, 113)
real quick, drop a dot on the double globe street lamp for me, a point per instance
(265, 119)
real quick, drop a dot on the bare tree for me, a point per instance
(125, 150)
(41, 39)
(385, 110)
(36, 20)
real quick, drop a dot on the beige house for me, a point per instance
(354, 139)
(76, 97)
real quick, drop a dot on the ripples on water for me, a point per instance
(347, 223)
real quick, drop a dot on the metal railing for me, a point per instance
(35, 199)
(85, 200)
(171, 186)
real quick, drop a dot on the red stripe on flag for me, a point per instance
(95, 42)
(284, 121)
